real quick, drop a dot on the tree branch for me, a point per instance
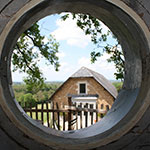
(24, 58)
(35, 44)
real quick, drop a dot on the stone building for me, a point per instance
(86, 86)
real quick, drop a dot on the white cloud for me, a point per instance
(74, 36)
(46, 39)
(61, 54)
(104, 28)
(101, 66)
(68, 30)
(65, 71)
(17, 76)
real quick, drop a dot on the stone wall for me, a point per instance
(17, 132)
(93, 87)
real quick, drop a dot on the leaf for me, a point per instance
(25, 57)
(65, 17)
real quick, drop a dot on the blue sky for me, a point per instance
(74, 50)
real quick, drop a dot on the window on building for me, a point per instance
(82, 88)
(107, 107)
(102, 106)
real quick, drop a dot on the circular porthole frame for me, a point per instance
(132, 101)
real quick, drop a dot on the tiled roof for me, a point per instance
(85, 72)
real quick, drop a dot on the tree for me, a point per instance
(25, 57)
(92, 26)
(30, 46)
(27, 100)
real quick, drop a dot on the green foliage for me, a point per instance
(19, 88)
(33, 84)
(29, 48)
(22, 95)
(116, 56)
(39, 96)
(94, 56)
(26, 99)
(118, 85)
(92, 26)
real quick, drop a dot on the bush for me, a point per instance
(28, 99)
(118, 85)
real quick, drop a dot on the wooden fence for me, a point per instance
(73, 117)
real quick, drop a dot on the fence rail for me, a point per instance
(73, 117)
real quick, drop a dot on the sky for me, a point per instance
(74, 51)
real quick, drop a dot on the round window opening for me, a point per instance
(131, 102)
(80, 45)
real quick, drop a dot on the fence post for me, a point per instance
(47, 108)
(42, 114)
(31, 110)
(36, 111)
(76, 113)
(91, 113)
(86, 115)
(69, 113)
(96, 112)
(81, 116)
(53, 115)
(58, 116)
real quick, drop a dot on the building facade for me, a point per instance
(86, 86)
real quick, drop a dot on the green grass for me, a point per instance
(39, 106)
